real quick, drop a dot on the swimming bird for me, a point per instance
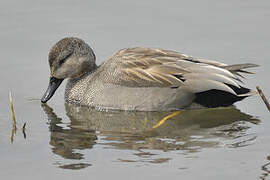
(142, 79)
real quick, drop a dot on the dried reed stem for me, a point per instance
(23, 130)
(263, 98)
(12, 109)
(14, 127)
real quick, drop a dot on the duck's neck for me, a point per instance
(76, 86)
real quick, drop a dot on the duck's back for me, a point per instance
(148, 79)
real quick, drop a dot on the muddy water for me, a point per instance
(65, 141)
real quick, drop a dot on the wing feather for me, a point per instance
(149, 67)
(201, 85)
(212, 76)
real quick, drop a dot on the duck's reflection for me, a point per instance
(189, 131)
(66, 140)
(266, 170)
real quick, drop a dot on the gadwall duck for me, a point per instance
(142, 79)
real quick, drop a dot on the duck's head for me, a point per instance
(69, 58)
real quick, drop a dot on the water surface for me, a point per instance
(65, 141)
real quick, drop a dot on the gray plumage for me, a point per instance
(143, 79)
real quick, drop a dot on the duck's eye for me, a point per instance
(64, 59)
